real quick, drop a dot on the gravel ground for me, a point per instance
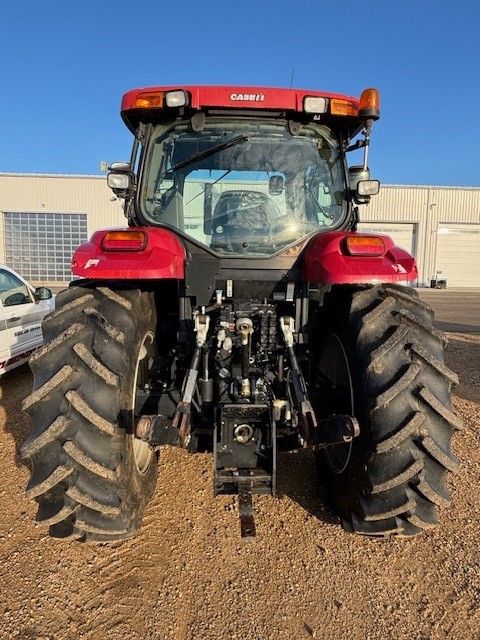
(187, 575)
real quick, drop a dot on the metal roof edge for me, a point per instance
(430, 186)
(50, 175)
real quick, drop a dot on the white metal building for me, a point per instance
(43, 218)
(440, 226)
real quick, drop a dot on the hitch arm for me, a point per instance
(307, 418)
(181, 417)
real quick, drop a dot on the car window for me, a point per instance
(12, 290)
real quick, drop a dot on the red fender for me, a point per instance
(328, 261)
(163, 256)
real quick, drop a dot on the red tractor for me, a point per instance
(240, 312)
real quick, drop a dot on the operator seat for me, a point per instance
(242, 219)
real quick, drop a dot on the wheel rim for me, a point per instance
(335, 371)
(142, 451)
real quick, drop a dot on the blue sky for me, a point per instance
(65, 66)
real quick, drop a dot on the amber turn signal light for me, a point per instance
(342, 107)
(148, 100)
(365, 246)
(124, 241)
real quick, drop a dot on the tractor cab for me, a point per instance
(242, 180)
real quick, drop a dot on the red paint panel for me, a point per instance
(239, 97)
(163, 257)
(326, 261)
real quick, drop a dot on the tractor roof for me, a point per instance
(152, 102)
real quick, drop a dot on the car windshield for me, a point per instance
(243, 186)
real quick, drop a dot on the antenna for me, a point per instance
(291, 79)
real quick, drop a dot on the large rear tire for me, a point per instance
(91, 476)
(382, 361)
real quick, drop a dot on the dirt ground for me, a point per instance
(187, 575)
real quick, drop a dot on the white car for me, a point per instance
(22, 309)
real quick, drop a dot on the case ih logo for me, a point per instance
(248, 97)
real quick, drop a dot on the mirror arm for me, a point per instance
(357, 145)
(366, 142)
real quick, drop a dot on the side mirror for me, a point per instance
(42, 293)
(355, 174)
(276, 185)
(121, 180)
(361, 187)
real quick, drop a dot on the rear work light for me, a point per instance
(176, 98)
(124, 241)
(365, 246)
(315, 104)
(368, 187)
(118, 180)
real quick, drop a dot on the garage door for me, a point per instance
(39, 246)
(402, 234)
(458, 254)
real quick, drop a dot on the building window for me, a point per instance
(39, 246)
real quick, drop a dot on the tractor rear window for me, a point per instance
(242, 186)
